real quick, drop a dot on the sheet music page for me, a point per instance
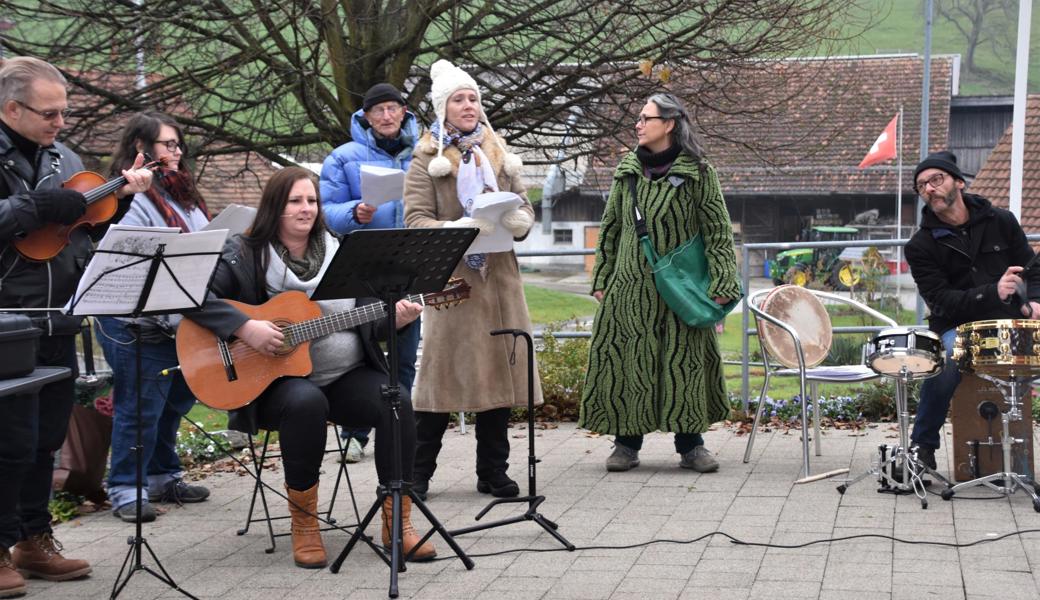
(380, 185)
(112, 283)
(236, 218)
(490, 207)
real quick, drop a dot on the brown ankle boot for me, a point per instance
(11, 581)
(40, 556)
(409, 536)
(308, 551)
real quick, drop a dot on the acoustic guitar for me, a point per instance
(229, 374)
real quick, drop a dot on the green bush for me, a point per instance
(64, 506)
(562, 365)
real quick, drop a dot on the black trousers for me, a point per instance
(32, 429)
(300, 410)
(492, 442)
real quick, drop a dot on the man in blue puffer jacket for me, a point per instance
(383, 134)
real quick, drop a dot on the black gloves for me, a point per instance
(59, 206)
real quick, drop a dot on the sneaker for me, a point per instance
(926, 456)
(498, 485)
(128, 512)
(699, 459)
(40, 557)
(355, 451)
(622, 458)
(11, 581)
(178, 492)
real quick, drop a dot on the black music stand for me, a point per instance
(155, 261)
(387, 264)
(532, 498)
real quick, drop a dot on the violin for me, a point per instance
(48, 241)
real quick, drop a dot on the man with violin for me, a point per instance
(33, 166)
(967, 260)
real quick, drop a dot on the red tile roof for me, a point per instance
(813, 142)
(993, 180)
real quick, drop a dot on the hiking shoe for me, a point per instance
(498, 485)
(926, 456)
(11, 581)
(40, 557)
(128, 512)
(622, 458)
(699, 459)
(178, 492)
(355, 452)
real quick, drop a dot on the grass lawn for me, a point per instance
(551, 306)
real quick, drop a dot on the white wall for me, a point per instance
(537, 240)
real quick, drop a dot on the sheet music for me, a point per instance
(236, 218)
(380, 185)
(110, 287)
(490, 207)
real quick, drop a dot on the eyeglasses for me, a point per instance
(935, 181)
(641, 121)
(171, 145)
(386, 110)
(47, 115)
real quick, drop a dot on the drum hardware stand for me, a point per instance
(896, 466)
(1009, 481)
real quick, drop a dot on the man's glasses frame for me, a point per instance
(935, 181)
(47, 115)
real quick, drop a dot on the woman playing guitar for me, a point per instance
(288, 248)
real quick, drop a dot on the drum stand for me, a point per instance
(896, 466)
(1009, 481)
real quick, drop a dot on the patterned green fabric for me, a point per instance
(648, 371)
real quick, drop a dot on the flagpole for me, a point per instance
(899, 213)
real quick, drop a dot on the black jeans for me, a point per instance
(492, 442)
(32, 429)
(300, 411)
(684, 442)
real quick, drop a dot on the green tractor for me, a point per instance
(799, 266)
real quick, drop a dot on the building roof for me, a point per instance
(993, 181)
(812, 142)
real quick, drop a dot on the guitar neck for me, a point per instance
(304, 331)
(104, 189)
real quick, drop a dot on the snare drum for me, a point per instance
(999, 348)
(906, 353)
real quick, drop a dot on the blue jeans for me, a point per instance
(32, 429)
(936, 394)
(164, 400)
(407, 352)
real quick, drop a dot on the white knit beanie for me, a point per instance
(448, 79)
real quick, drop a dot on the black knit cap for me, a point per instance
(381, 92)
(943, 160)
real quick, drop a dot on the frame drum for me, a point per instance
(919, 351)
(999, 348)
(803, 311)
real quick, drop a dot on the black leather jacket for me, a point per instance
(957, 275)
(24, 283)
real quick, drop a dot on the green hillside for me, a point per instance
(900, 29)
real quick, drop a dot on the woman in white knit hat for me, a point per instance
(464, 368)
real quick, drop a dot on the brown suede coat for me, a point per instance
(463, 367)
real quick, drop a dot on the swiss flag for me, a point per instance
(884, 148)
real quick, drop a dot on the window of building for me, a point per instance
(563, 236)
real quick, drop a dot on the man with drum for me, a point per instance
(966, 260)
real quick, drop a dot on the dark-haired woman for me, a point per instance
(649, 371)
(171, 201)
(289, 248)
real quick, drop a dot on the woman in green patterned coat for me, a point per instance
(649, 371)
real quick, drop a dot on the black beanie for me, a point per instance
(381, 92)
(943, 160)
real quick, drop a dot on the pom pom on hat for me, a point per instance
(439, 166)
